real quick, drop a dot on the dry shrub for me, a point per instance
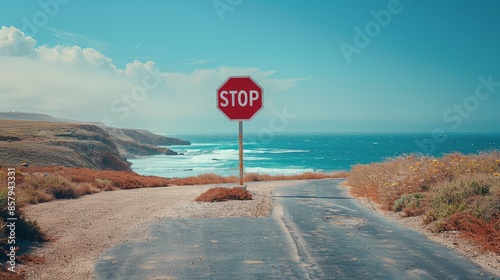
(413, 204)
(456, 164)
(43, 184)
(486, 234)
(208, 178)
(55, 185)
(109, 180)
(387, 181)
(211, 178)
(364, 181)
(86, 188)
(31, 259)
(27, 194)
(4, 274)
(105, 185)
(102, 179)
(224, 194)
(60, 187)
(477, 194)
(25, 230)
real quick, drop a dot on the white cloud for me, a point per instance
(74, 56)
(76, 82)
(137, 69)
(13, 42)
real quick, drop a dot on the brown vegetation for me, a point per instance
(211, 178)
(455, 192)
(255, 177)
(100, 179)
(24, 230)
(487, 234)
(224, 194)
(41, 184)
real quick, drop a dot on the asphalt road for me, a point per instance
(316, 232)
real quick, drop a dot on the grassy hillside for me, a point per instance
(53, 143)
(131, 143)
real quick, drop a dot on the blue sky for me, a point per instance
(416, 70)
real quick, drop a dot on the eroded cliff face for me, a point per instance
(42, 140)
(52, 143)
(147, 137)
(133, 143)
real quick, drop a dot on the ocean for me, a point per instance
(297, 153)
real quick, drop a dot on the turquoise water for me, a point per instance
(296, 153)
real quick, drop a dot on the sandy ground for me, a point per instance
(86, 227)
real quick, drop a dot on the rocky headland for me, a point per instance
(40, 140)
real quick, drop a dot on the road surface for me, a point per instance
(316, 231)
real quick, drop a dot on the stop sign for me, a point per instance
(239, 98)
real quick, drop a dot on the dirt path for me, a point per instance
(86, 227)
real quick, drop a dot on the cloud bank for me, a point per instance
(82, 83)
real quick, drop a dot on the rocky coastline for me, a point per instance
(94, 146)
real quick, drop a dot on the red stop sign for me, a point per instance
(239, 98)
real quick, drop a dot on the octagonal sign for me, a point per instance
(240, 98)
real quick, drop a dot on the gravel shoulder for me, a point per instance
(487, 260)
(86, 227)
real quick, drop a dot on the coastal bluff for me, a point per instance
(133, 143)
(57, 142)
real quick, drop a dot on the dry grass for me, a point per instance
(25, 259)
(387, 181)
(101, 179)
(109, 180)
(477, 195)
(453, 190)
(24, 229)
(487, 234)
(208, 178)
(211, 178)
(256, 177)
(7, 275)
(224, 194)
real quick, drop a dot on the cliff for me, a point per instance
(134, 143)
(131, 143)
(54, 143)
